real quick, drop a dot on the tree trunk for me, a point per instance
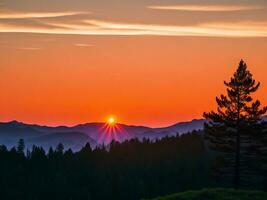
(237, 161)
(237, 153)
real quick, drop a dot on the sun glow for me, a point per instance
(111, 121)
(111, 130)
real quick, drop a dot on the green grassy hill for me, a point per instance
(217, 194)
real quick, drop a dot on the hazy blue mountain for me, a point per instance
(183, 127)
(73, 140)
(95, 133)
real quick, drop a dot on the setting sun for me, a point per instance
(111, 120)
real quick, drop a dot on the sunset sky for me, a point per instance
(147, 62)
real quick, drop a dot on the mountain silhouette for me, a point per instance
(94, 133)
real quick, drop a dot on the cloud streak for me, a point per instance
(207, 8)
(29, 15)
(83, 45)
(96, 27)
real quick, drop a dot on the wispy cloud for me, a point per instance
(207, 8)
(27, 15)
(96, 27)
(83, 45)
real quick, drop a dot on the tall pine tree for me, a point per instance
(236, 127)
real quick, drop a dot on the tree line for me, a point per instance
(132, 169)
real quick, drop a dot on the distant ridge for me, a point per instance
(95, 133)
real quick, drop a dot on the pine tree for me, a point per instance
(51, 153)
(60, 148)
(21, 146)
(234, 129)
(86, 150)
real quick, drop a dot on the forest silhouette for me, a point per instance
(229, 152)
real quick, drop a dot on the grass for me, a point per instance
(216, 194)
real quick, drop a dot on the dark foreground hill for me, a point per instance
(216, 194)
(130, 170)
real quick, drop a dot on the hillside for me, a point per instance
(216, 194)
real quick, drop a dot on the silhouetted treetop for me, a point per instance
(236, 129)
(238, 104)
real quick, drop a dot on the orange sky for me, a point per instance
(146, 71)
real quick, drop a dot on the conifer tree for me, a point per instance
(21, 146)
(86, 150)
(60, 148)
(51, 153)
(234, 128)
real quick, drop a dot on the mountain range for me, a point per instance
(77, 136)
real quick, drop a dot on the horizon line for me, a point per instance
(95, 122)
